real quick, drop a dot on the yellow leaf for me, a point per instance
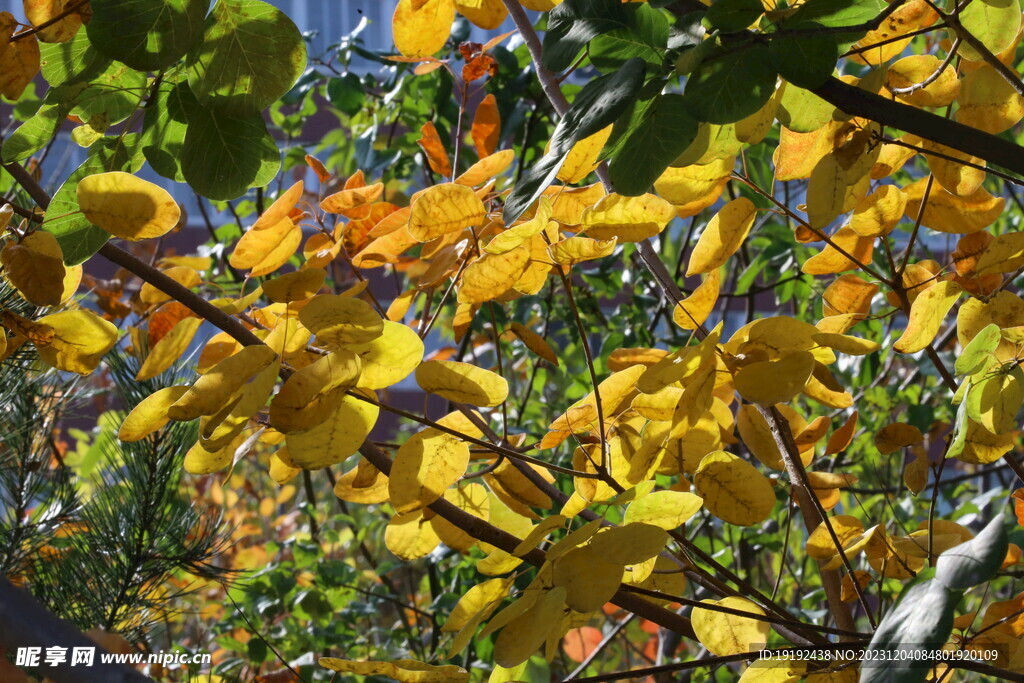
(1004, 254)
(462, 382)
(487, 168)
(534, 342)
(80, 340)
(946, 212)
(352, 198)
(477, 604)
(472, 498)
(831, 260)
(993, 22)
(666, 509)
(425, 466)
(281, 208)
(199, 460)
(629, 219)
(19, 59)
(734, 490)
(265, 250)
(295, 286)
(522, 636)
(421, 27)
(492, 275)
(370, 489)
(854, 346)
(35, 266)
(826, 191)
(280, 472)
(539, 533)
(691, 189)
(169, 348)
(983, 447)
(879, 212)
(849, 294)
(993, 401)
(988, 101)
(630, 543)
(724, 633)
(723, 235)
(338, 320)
(215, 389)
(487, 14)
(389, 358)
(308, 396)
(582, 158)
(589, 579)
(39, 12)
(770, 382)
(916, 69)
(411, 536)
(218, 429)
(335, 439)
(955, 177)
(540, 5)
(126, 206)
(573, 250)
(897, 435)
(820, 545)
(445, 208)
(401, 670)
(926, 316)
(150, 414)
(691, 312)
(185, 276)
(758, 437)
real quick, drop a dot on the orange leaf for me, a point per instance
(1018, 505)
(437, 157)
(580, 642)
(486, 126)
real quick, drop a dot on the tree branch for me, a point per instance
(972, 141)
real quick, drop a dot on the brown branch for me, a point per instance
(972, 141)
(810, 511)
(67, 11)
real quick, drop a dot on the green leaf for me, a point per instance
(115, 93)
(572, 24)
(958, 441)
(250, 56)
(78, 238)
(732, 85)
(598, 105)
(801, 110)
(730, 16)
(837, 13)
(40, 128)
(165, 126)
(646, 38)
(976, 561)
(805, 61)
(978, 350)
(994, 22)
(146, 34)
(921, 620)
(346, 92)
(224, 153)
(658, 132)
(71, 61)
